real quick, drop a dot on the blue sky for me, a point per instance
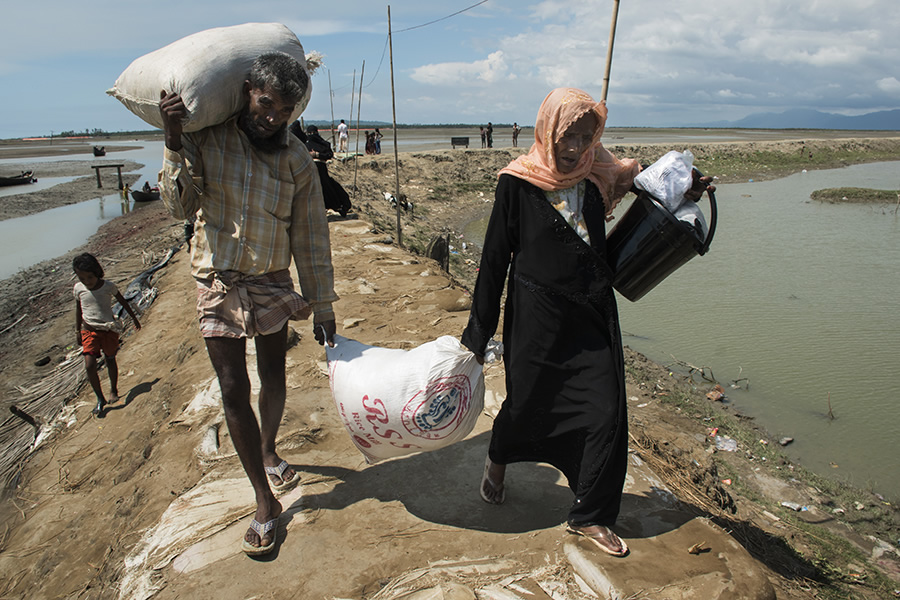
(674, 63)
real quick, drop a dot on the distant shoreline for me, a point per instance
(609, 134)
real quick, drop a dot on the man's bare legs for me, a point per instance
(228, 357)
(270, 357)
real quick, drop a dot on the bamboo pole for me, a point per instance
(352, 102)
(331, 97)
(609, 50)
(358, 110)
(394, 112)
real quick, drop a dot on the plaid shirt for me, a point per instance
(254, 210)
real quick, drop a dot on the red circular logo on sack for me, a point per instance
(436, 412)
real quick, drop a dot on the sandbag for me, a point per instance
(208, 69)
(396, 402)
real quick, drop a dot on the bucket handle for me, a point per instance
(704, 247)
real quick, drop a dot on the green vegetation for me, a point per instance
(852, 195)
(740, 164)
(742, 161)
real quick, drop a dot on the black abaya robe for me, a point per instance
(565, 379)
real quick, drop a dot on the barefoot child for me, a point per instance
(96, 326)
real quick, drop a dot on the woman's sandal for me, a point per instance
(499, 491)
(261, 529)
(600, 538)
(278, 471)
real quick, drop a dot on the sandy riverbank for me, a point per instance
(90, 492)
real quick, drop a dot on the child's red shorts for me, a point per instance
(92, 342)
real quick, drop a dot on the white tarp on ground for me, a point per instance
(201, 512)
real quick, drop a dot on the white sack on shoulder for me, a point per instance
(208, 69)
(668, 179)
(396, 402)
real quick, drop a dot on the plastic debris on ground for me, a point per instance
(725, 443)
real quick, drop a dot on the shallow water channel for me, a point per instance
(26, 241)
(801, 299)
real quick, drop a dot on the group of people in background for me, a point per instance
(373, 141)
(487, 135)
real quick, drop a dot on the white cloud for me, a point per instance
(490, 70)
(750, 56)
(888, 84)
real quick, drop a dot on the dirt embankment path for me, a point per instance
(87, 495)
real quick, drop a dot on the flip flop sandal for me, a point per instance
(486, 479)
(278, 471)
(597, 543)
(262, 529)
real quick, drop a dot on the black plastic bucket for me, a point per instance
(649, 243)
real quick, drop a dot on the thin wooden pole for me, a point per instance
(331, 96)
(394, 111)
(352, 99)
(609, 49)
(358, 110)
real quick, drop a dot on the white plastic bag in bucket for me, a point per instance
(396, 402)
(668, 179)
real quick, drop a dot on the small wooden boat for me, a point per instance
(24, 177)
(145, 196)
(99, 150)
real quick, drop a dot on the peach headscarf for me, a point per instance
(559, 110)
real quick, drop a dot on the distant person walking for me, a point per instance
(378, 137)
(95, 325)
(483, 137)
(335, 196)
(515, 132)
(343, 137)
(490, 135)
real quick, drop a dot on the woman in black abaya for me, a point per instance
(565, 378)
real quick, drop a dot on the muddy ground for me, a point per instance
(80, 503)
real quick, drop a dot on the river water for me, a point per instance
(26, 241)
(798, 297)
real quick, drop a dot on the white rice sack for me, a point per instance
(396, 402)
(208, 69)
(668, 179)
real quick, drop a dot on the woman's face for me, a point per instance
(574, 142)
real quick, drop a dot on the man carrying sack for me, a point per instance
(258, 203)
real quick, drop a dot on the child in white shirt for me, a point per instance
(96, 326)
